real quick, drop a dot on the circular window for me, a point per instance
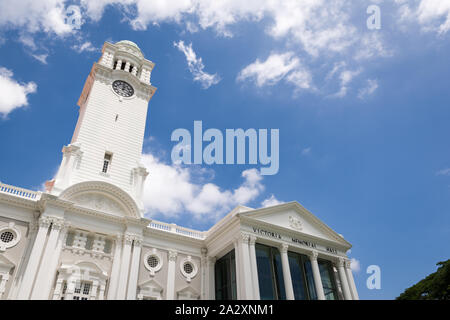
(7, 236)
(153, 261)
(188, 268)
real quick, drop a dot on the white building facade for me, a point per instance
(86, 237)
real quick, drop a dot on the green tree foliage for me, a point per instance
(434, 287)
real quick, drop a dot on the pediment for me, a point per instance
(103, 197)
(297, 219)
(99, 202)
(5, 263)
(151, 284)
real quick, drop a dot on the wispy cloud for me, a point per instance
(270, 202)
(372, 86)
(196, 66)
(443, 172)
(85, 46)
(277, 67)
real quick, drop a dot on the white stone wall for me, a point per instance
(99, 132)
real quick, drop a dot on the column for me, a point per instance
(351, 280)
(3, 279)
(170, 293)
(119, 64)
(33, 228)
(124, 267)
(101, 293)
(239, 283)
(254, 268)
(134, 270)
(114, 278)
(47, 269)
(248, 285)
(286, 272)
(343, 277)
(71, 282)
(93, 295)
(203, 274)
(127, 67)
(58, 288)
(211, 278)
(33, 262)
(134, 70)
(316, 275)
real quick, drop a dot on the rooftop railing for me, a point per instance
(173, 228)
(19, 192)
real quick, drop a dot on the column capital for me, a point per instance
(44, 222)
(284, 248)
(252, 240)
(58, 223)
(340, 262)
(173, 255)
(244, 238)
(348, 264)
(204, 251)
(313, 255)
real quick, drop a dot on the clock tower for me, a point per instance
(107, 142)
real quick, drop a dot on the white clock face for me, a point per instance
(122, 88)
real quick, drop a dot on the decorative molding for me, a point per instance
(191, 275)
(173, 255)
(295, 223)
(313, 255)
(284, 248)
(153, 253)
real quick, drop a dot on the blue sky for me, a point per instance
(363, 114)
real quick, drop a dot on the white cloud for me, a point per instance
(170, 190)
(355, 265)
(196, 66)
(444, 172)
(276, 67)
(41, 57)
(372, 86)
(432, 15)
(85, 46)
(12, 93)
(270, 202)
(33, 16)
(345, 77)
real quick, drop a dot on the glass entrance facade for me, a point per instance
(271, 281)
(225, 277)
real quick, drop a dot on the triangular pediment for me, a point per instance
(294, 217)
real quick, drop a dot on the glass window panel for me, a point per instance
(264, 264)
(279, 279)
(225, 277)
(298, 276)
(327, 277)
(310, 280)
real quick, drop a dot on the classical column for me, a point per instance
(134, 270)
(343, 277)
(351, 280)
(47, 269)
(203, 273)
(286, 272)
(316, 275)
(3, 280)
(254, 267)
(134, 70)
(33, 228)
(114, 278)
(33, 261)
(246, 267)
(119, 64)
(124, 267)
(71, 282)
(211, 278)
(101, 293)
(93, 295)
(127, 66)
(58, 288)
(239, 282)
(170, 291)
